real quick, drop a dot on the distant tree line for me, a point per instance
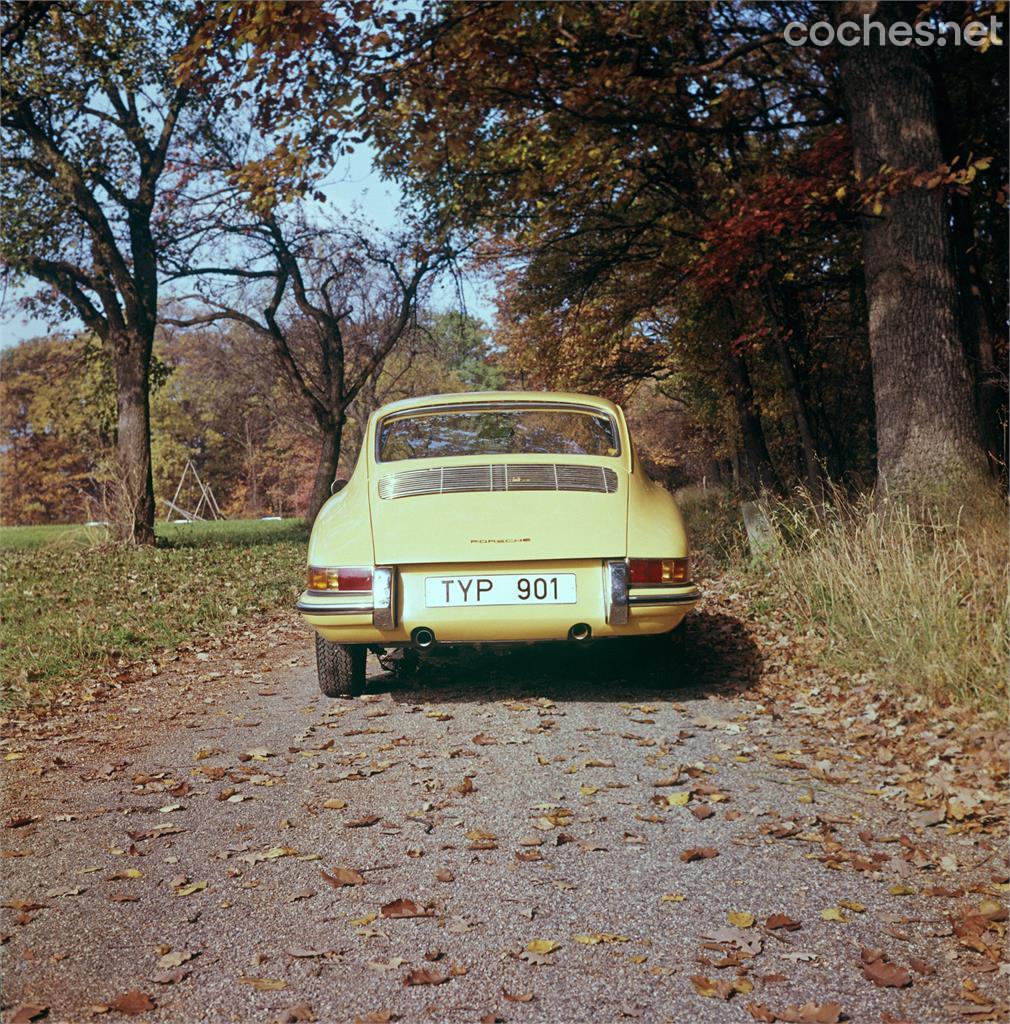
(218, 399)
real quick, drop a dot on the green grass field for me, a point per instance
(73, 604)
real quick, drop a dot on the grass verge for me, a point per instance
(908, 597)
(72, 603)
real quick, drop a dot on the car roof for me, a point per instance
(484, 397)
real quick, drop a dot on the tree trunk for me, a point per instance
(756, 473)
(329, 456)
(927, 431)
(134, 513)
(979, 325)
(784, 307)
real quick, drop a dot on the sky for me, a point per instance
(354, 185)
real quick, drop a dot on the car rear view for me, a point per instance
(499, 517)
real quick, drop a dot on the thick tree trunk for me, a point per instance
(329, 456)
(980, 327)
(135, 510)
(927, 430)
(756, 473)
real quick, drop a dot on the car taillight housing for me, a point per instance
(658, 572)
(346, 579)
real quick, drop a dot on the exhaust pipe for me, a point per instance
(422, 638)
(580, 631)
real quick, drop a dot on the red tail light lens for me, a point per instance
(340, 581)
(657, 572)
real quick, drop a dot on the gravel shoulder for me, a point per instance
(525, 836)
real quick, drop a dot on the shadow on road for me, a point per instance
(716, 656)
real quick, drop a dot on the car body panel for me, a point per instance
(500, 526)
(411, 516)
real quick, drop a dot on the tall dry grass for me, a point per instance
(918, 598)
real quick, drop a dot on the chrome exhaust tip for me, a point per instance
(422, 638)
(580, 631)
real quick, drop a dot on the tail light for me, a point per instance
(348, 579)
(658, 572)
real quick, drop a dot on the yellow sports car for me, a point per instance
(488, 518)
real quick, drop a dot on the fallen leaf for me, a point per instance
(542, 946)
(338, 877)
(445, 875)
(366, 821)
(334, 805)
(265, 984)
(886, 975)
(783, 921)
(405, 908)
(27, 1012)
(699, 853)
(521, 997)
(377, 1017)
(133, 1002)
(741, 919)
(425, 977)
(170, 977)
(702, 811)
(921, 966)
(834, 914)
(176, 959)
(672, 897)
(596, 938)
(723, 989)
(24, 906)
(812, 1013)
(188, 890)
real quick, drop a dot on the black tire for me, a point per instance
(340, 667)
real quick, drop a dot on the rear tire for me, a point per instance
(340, 667)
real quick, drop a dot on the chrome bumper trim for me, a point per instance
(640, 600)
(358, 608)
(384, 597)
(616, 581)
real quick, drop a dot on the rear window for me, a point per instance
(515, 430)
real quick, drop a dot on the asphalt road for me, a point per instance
(165, 848)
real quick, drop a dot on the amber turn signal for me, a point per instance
(341, 580)
(658, 572)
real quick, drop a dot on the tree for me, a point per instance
(339, 301)
(927, 429)
(57, 415)
(96, 133)
(603, 146)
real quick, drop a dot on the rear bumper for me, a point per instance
(396, 607)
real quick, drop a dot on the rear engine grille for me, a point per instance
(457, 479)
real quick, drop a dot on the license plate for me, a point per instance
(459, 591)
